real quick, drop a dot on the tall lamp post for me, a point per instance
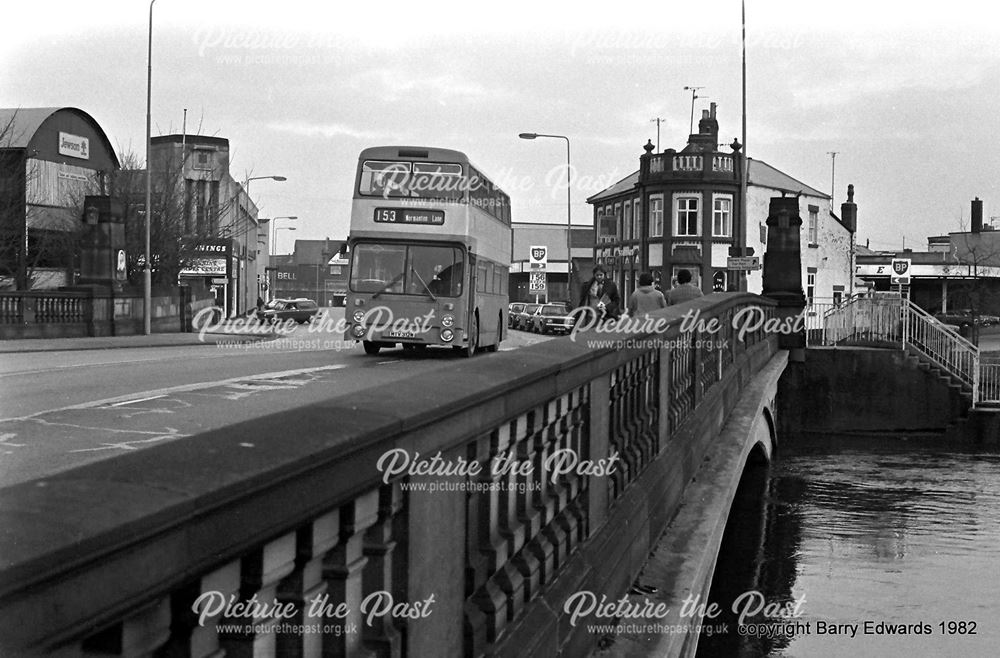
(283, 228)
(246, 255)
(274, 231)
(569, 215)
(147, 277)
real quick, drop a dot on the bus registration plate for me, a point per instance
(400, 334)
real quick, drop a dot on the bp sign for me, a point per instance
(900, 271)
(539, 257)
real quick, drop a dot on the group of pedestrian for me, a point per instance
(601, 294)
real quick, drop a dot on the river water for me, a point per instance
(862, 542)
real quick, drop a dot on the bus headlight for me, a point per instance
(357, 331)
(359, 315)
(448, 321)
(447, 335)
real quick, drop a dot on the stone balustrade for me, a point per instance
(137, 555)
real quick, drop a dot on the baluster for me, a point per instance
(540, 510)
(379, 548)
(574, 518)
(261, 571)
(140, 634)
(305, 588)
(493, 594)
(342, 569)
(191, 636)
(557, 490)
(528, 518)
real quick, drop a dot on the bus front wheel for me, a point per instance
(371, 347)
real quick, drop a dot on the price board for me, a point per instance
(537, 283)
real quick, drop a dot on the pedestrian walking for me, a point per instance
(601, 294)
(646, 298)
(684, 290)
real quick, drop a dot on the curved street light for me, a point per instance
(281, 228)
(569, 212)
(274, 230)
(147, 276)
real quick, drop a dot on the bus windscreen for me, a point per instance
(433, 270)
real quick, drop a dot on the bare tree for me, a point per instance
(179, 223)
(977, 258)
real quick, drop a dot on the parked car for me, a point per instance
(953, 327)
(512, 311)
(989, 320)
(301, 310)
(522, 319)
(961, 319)
(553, 318)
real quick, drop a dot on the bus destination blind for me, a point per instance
(409, 216)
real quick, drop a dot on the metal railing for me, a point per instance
(893, 321)
(941, 346)
(857, 321)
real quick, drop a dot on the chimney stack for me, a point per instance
(849, 211)
(977, 215)
(709, 125)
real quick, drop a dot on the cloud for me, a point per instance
(327, 130)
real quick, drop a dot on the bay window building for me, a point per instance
(680, 210)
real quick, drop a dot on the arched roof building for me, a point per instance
(50, 158)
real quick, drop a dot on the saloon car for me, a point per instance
(300, 310)
(551, 318)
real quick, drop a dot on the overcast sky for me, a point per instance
(909, 100)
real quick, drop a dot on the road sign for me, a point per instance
(538, 257)
(900, 271)
(537, 283)
(743, 263)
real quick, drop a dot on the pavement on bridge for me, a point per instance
(118, 342)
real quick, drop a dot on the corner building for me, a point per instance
(680, 210)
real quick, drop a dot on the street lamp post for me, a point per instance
(274, 231)
(147, 277)
(246, 257)
(282, 228)
(569, 213)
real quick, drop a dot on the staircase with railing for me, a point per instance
(891, 321)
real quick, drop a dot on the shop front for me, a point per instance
(210, 265)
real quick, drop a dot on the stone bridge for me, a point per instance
(454, 514)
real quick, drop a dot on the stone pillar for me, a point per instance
(783, 269)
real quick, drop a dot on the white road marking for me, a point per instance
(134, 397)
(121, 404)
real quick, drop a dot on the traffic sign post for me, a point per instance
(743, 263)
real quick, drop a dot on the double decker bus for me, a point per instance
(430, 246)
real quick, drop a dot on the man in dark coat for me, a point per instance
(601, 294)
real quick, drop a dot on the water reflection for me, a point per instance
(905, 538)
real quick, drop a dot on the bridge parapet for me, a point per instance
(470, 547)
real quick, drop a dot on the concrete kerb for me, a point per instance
(30, 345)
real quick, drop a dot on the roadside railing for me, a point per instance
(941, 346)
(989, 380)
(313, 512)
(892, 321)
(857, 321)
